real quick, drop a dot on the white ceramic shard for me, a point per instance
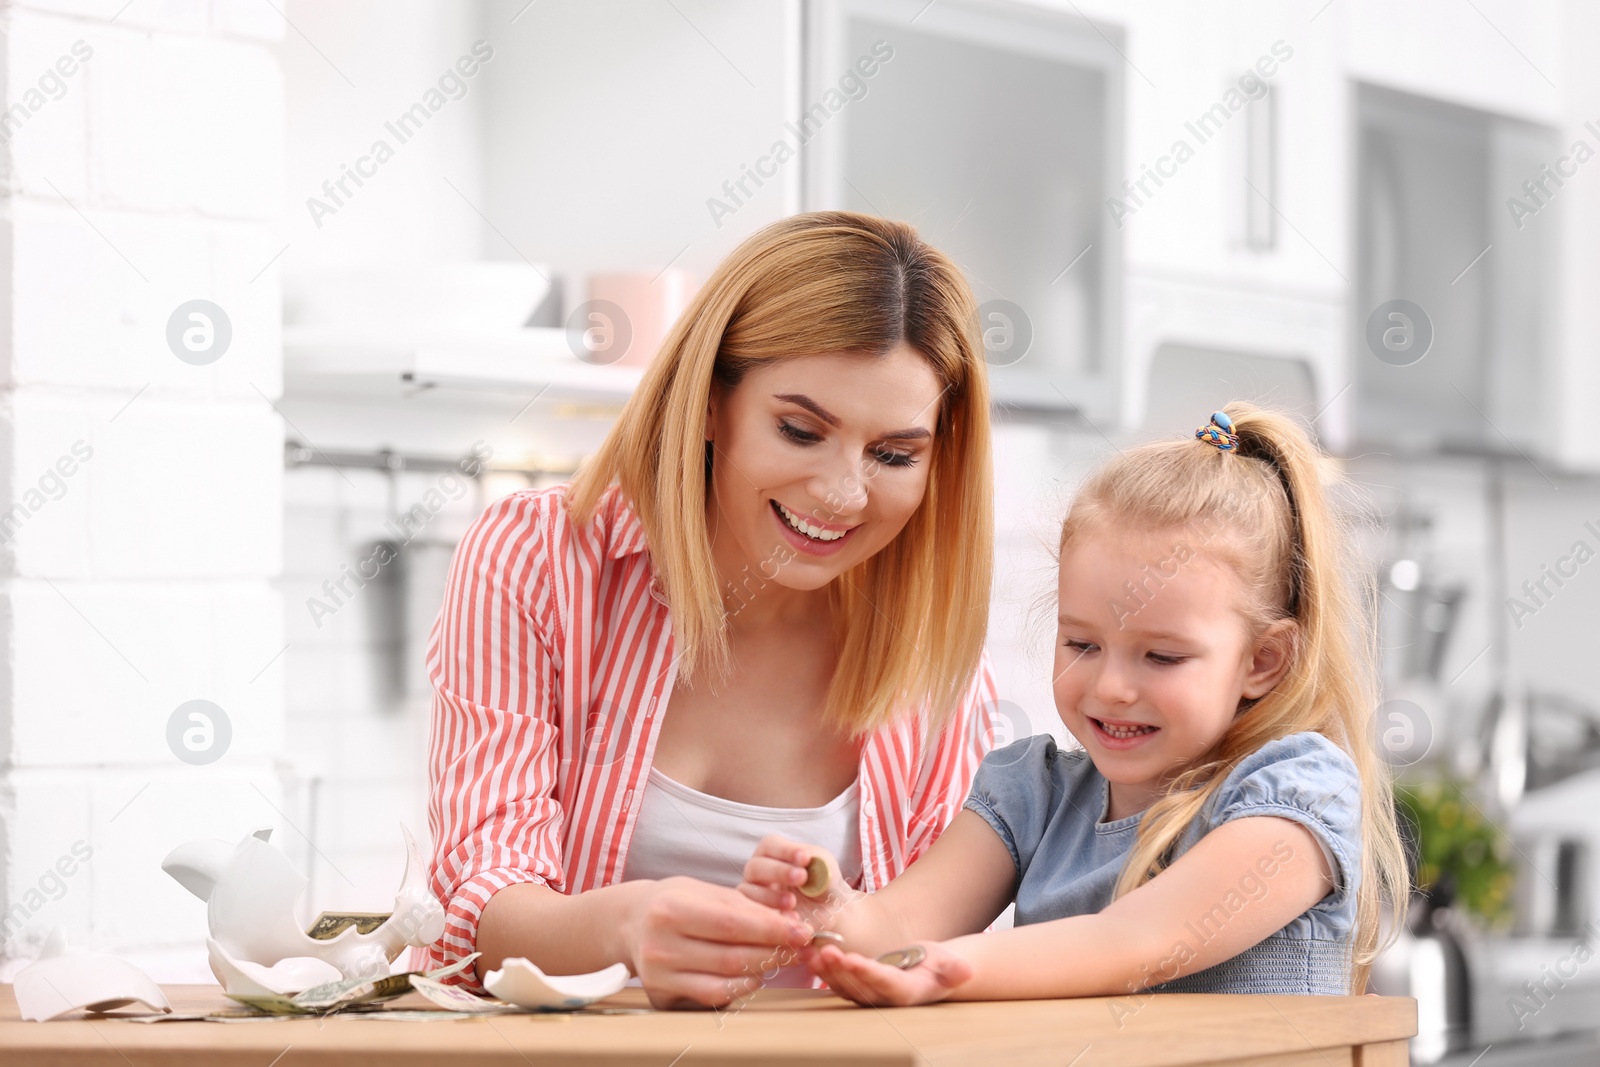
(284, 978)
(521, 983)
(64, 980)
(251, 891)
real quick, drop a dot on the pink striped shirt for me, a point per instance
(551, 660)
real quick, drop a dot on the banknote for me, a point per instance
(457, 999)
(332, 996)
(353, 995)
(330, 924)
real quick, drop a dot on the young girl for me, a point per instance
(1228, 825)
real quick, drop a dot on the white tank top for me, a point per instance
(682, 831)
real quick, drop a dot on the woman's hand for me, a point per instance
(866, 981)
(776, 870)
(694, 944)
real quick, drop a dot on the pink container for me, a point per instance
(651, 302)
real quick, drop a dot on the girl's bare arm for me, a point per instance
(1244, 881)
(964, 880)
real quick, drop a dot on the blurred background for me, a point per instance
(295, 289)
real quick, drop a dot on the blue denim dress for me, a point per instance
(1047, 803)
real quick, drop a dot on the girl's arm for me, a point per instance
(1242, 882)
(964, 880)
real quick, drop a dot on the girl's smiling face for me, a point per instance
(820, 461)
(1153, 655)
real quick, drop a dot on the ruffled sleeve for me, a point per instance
(1308, 779)
(1012, 792)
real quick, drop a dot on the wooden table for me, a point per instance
(779, 1027)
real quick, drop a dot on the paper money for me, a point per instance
(330, 924)
(332, 996)
(269, 1003)
(457, 999)
(439, 974)
(364, 997)
(422, 1015)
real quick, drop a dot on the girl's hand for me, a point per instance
(778, 868)
(866, 981)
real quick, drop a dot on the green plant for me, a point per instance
(1452, 836)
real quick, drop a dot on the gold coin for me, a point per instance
(817, 879)
(828, 935)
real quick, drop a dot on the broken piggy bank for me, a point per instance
(251, 891)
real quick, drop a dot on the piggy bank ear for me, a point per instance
(198, 864)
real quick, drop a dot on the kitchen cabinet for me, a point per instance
(997, 130)
(1456, 215)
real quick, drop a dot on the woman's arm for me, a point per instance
(1242, 882)
(690, 942)
(562, 934)
(958, 886)
(496, 724)
(495, 757)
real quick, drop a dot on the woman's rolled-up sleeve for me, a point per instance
(494, 744)
(952, 760)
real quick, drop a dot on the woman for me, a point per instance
(760, 604)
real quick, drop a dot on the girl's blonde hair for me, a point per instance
(911, 619)
(1265, 509)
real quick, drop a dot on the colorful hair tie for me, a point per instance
(1219, 433)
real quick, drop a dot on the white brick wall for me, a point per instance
(141, 571)
(337, 703)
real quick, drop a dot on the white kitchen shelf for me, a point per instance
(384, 364)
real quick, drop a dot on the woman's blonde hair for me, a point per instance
(1265, 510)
(911, 619)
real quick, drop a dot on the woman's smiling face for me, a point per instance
(819, 463)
